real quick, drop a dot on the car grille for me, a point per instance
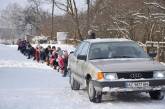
(135, 75)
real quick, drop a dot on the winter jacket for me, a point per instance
(37, 54)
(61, 62)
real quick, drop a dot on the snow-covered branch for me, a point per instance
(155, 4)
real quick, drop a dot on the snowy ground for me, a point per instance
(25, 84)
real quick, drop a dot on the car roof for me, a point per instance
(98, 40)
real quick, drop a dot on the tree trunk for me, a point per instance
(77, 21)
(52, 31)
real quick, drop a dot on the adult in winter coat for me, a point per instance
(65, 62)
(91, 34)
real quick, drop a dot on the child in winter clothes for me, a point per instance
(47, 54)
(37, 54)
(61, 61)
(28, 50)
(42, 54)
(55, 62)
(52, 57)
(51, 60)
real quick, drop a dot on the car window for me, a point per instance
(79, 48)
(116, 50)
(85, 48)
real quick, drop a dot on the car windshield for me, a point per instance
(108, 50)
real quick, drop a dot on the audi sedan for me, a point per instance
(114, 66)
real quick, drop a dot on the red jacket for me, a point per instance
(61, 62)
(37, 54)
(52, 60)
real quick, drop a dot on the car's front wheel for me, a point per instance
(74, 84)
(94, 96)
(156, 95)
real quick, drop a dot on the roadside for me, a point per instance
(26, 84)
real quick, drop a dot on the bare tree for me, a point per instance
(13, 18)
(33, 14)
(70, 7)
(52, 31)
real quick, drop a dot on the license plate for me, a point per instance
(137, 84)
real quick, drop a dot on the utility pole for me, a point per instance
(88, 15)
(52, 33)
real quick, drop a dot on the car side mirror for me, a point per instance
(152, 54)
(82, 57)
(71, 52)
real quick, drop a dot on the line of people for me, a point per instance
(52, 56)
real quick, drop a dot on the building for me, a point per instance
(62, 37)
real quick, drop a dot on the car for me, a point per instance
(115, 66)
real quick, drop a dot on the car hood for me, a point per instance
(127, 65)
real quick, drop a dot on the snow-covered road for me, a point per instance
(25, 84)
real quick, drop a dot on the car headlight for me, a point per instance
(110, 76)
(159, 74)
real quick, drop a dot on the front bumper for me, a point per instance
(121, 85)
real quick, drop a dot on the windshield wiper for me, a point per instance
(112, 57)
(97, 58)
(121, 57)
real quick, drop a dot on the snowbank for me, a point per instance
(162, 63)
(22, 64)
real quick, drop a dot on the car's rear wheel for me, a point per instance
(94, 96)
(156, 95)
(74, 84)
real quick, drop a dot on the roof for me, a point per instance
(97, 40)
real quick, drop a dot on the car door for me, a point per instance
(74, 66)
(82, 63)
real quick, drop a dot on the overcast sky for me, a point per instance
(3, 3)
